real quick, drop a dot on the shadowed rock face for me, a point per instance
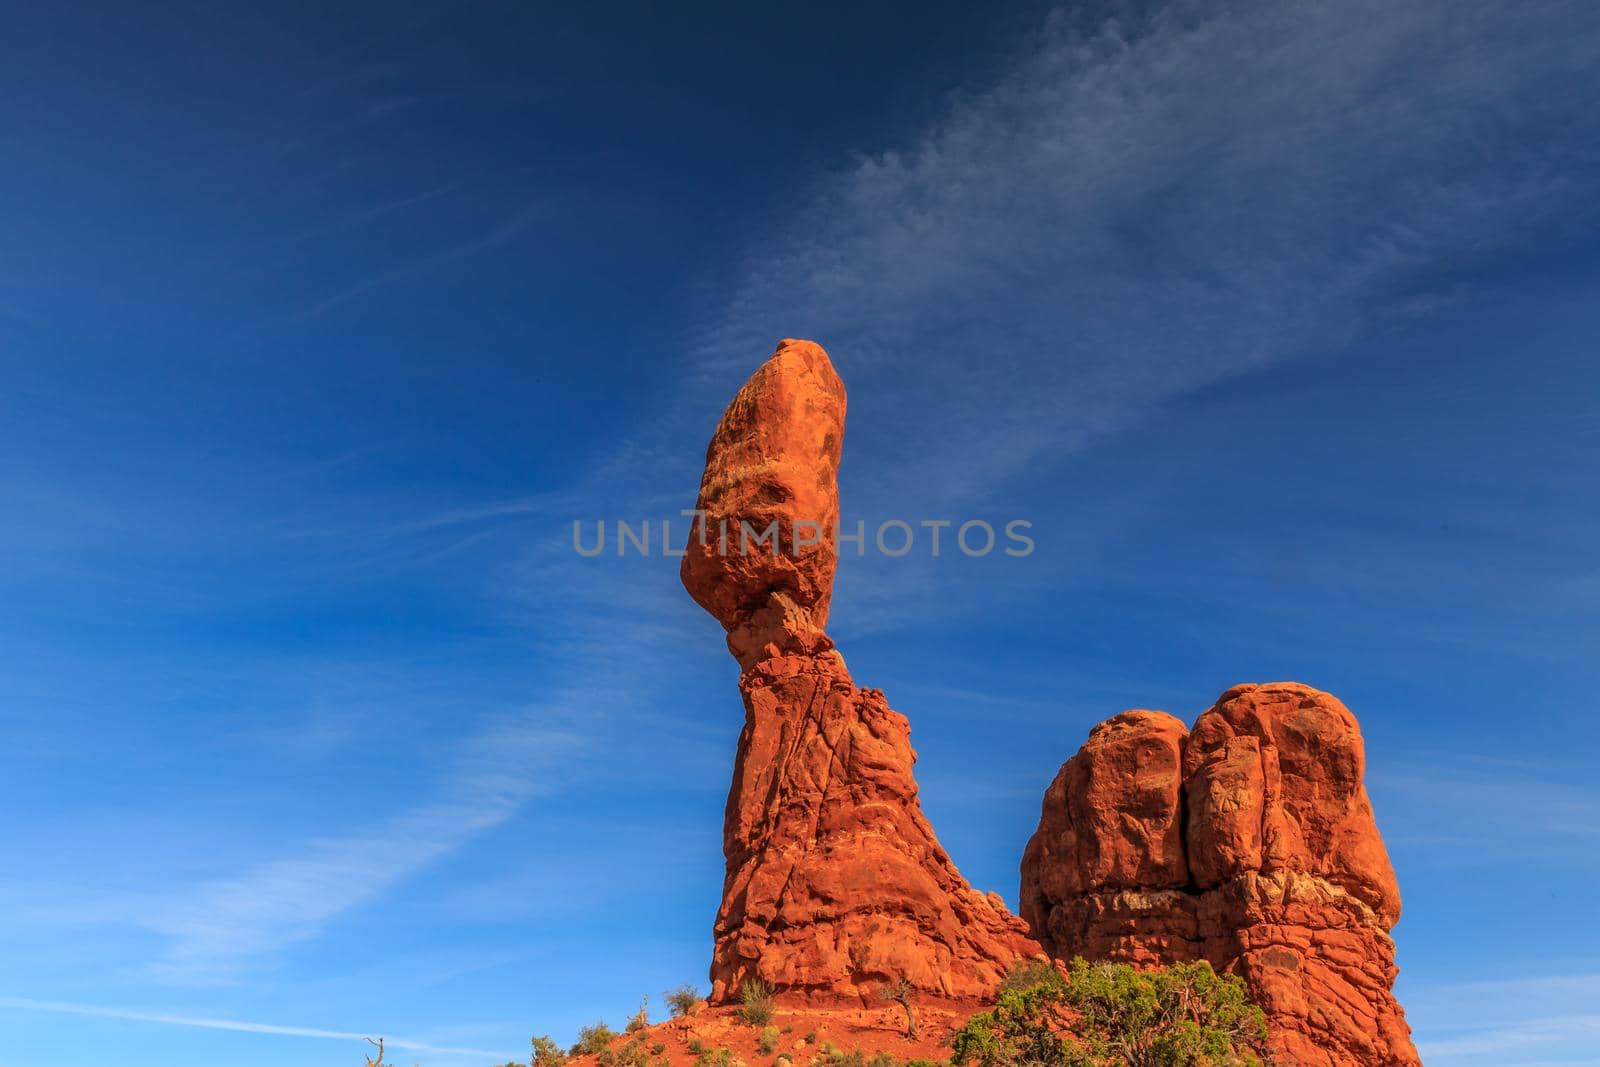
(1250, 843)
(835, 882)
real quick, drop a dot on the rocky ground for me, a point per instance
(804, 1034)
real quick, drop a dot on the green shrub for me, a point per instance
(697, 1047)
(681, 1001)
(630, 1053)
(546, 1053)
(592, 1040)
(1184, 1015)
(755, 1002)
(1027, 973)
(767, 1043)
(832, 1057)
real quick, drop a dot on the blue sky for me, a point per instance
(318, 330)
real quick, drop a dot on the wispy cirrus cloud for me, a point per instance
(221, 925)
(498, 234)
(57, 1007)
(1522, 1021)
(1157, 197)
(1478, 811)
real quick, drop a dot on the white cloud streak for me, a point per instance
(1516, 1022)
(235, 1025)
(1487, 812)
(1154, 198)
(228, 922)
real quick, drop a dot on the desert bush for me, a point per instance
(681, 1001)
(833, 1057)
(767, 1043)
(755, 1002)
(1100, 1015)
(546, 1053)
(592, 1040)
(1026, 973)
(639, 1019)
(720, 1057)
(631, 1053)
(900, 992)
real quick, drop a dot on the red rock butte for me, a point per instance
(1249, 843)
(835, 884)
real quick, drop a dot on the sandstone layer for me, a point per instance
(835, 883)
(1249, 842)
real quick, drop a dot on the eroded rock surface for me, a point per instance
(1250, 843)
(772, 465)
(835, 882)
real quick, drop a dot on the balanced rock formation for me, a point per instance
(835, 882)
(1250, 843)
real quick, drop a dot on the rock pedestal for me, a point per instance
(835, 883)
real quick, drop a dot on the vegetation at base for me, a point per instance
(631, 1053)
(829, 1056)
(1094, 1015)
(900, 992)
(1111, 1015)
(1028, 973)
(681, 1001)
(755, 1002)
(546, 1053)
(635, 1053)
(833, 1057)
(593, 1040)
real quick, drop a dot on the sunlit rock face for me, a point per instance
(835, 883)
(1248, 842)
(773, 464)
